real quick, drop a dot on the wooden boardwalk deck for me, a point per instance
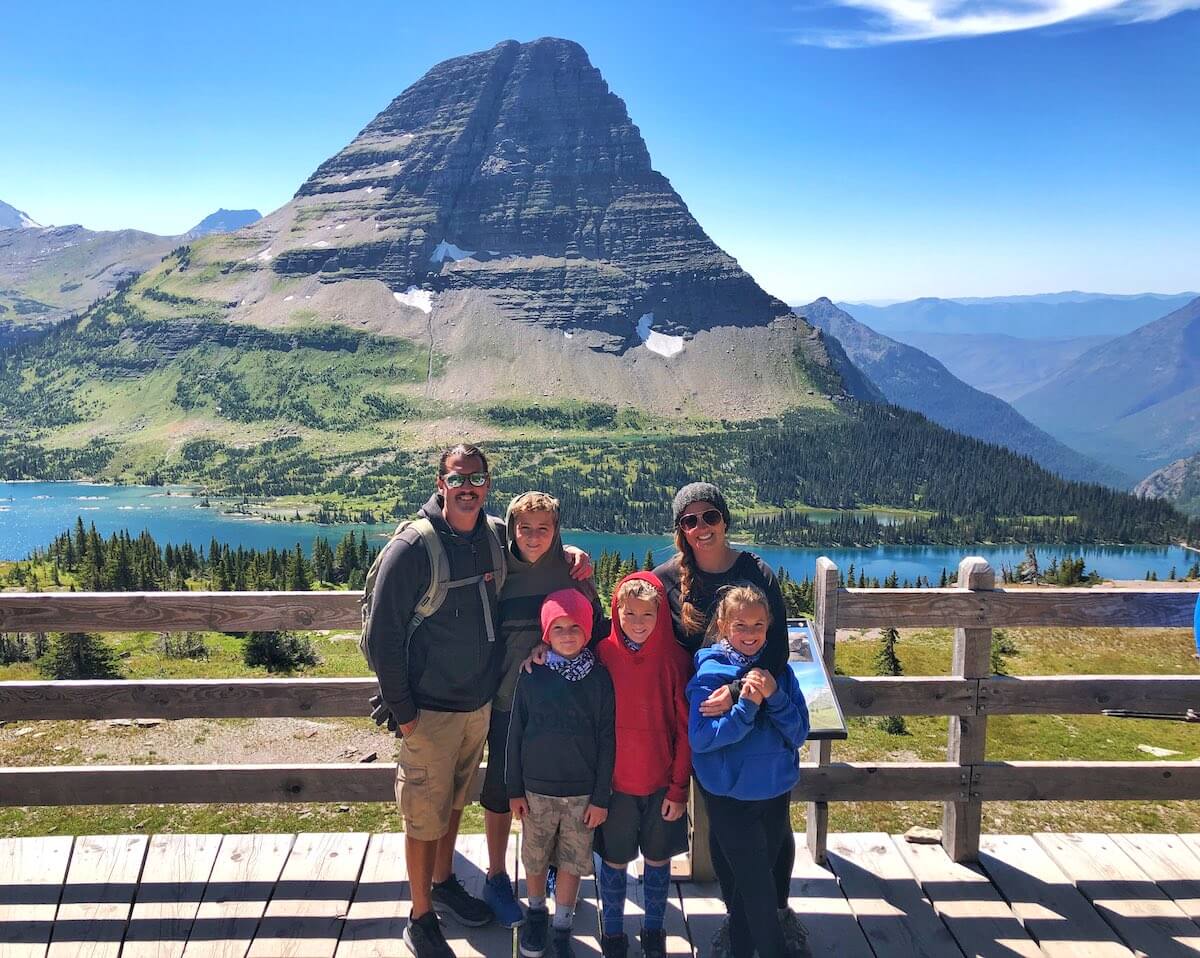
(345, 896)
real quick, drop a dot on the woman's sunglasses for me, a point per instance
(455, 480)
(710, 516)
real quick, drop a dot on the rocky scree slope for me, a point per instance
(1179, 482)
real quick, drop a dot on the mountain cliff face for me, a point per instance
(1178, 482)
(1133, 402)
(911, 379)
(12, 218)
(503, 211)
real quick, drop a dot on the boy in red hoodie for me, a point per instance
(648, 808)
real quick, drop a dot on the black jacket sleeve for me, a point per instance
(606, 726)
(514, 776)
(403, 579)
(775, 655)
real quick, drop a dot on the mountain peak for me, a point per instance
(12, 218)
(223, 221)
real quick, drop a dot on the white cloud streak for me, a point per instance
(899, 21)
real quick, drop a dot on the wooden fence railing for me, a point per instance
(968, 696)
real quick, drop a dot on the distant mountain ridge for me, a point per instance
(1005, 366)
(1132, 402)
(12, 218)
(1036, 317)
(913, 380)
(223, 221)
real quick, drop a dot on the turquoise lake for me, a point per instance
(33, 513)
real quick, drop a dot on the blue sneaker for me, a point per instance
(551, 880)
(498, 895)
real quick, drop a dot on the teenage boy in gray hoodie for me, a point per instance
(536, 567)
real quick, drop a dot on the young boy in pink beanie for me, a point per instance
(561, 750)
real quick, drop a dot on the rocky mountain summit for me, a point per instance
(223, 221)
(1178, 482)
(504, 211)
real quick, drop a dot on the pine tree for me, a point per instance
(1003, 648)
(79, 655)
(887, 662)
(648, 565)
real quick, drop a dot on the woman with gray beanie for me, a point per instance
(704, 565)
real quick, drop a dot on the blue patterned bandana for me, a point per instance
(571, 669)
(736, 657)
(630, 644)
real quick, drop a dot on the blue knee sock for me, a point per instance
(656, 885)
(612, 898)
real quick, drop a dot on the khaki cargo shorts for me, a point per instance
(553, 831)
(438, 763)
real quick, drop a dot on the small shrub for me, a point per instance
(182, 645)
(1003, 648)
(279, 651)
(79, 655)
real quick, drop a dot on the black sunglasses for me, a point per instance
(710, 516)
(454, 480)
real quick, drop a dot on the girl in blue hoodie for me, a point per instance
(746, 763)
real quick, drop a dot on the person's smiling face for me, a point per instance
(745, 627)
(566, 637)
(534, 532)
(463, 504)
(707, 535)
(637, 618)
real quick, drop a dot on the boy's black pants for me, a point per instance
(747, 839)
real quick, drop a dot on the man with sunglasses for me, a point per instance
(438, 673)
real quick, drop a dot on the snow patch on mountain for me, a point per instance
(446, 250)
(421, 299)
(656, 342)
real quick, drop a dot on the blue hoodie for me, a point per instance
(749, 752)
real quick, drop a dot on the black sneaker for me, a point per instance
(562, 943)
(795, 937)
(450, 897)
(614, 946)
(654, 943)
(423, 936)
(532, 943)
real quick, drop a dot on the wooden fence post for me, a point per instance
(961, 821)
(825, 603)
(699, 853)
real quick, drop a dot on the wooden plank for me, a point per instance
(1045, 901)
(1046, 608)
(197, 784)
(239, 888)
(978, 918)
(1145, 918)
(1087, 694)
(382, 903)
(1085, 781)
(816, 897)
(97, 895)
(704, 912)
(305, 915)
(881, 890)
(32, 871)
(967, 734)
(185, 698)
(826, 619)
(173, 880)
(904, 695)
(470, 865)
(177, 611)
(1170, 863)
(881, 782)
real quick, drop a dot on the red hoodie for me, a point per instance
(652, 710)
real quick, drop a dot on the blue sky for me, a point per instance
(859, 149)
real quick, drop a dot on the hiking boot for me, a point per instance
(498, 896)
(722, 944)
(562, 943)
(532, 943)
(450, 897)
(795, 937)
(614, 946)
(654, 943)
(424, 939)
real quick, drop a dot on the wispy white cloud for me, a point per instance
(897, 21)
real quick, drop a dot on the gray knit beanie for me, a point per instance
(699, 492)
